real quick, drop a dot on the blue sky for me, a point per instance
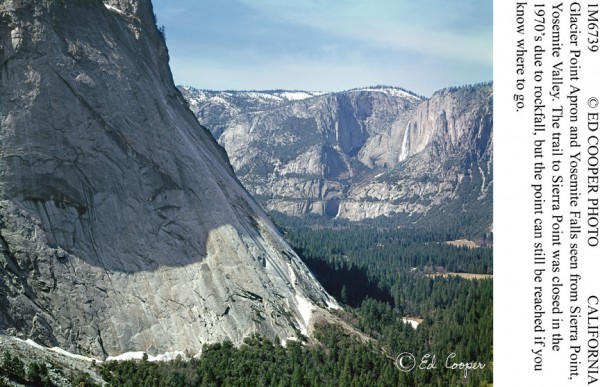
(327, 45)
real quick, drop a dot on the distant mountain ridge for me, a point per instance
(356, 154)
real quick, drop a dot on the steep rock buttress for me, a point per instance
(122, 225)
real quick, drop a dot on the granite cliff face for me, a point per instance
(357, 154)
(122, 225)
(449, 160)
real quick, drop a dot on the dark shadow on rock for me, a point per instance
(100, 146)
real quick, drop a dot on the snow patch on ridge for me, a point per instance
(305, 307)
(114, 9)
(284, 341)
(392, 91)
(332, 305)
(138, 355)
(55, 349)
(412, 323)
(299, 95)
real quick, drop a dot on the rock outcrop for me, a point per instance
(122, 225)
(357, 154)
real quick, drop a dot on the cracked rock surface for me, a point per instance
(122, 225)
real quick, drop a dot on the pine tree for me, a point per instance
(344, 295)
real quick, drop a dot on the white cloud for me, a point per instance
(328, 44)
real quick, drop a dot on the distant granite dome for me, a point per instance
(122, 225)
(356, 154)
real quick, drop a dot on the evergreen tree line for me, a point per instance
(339, 359)
(383, 254)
